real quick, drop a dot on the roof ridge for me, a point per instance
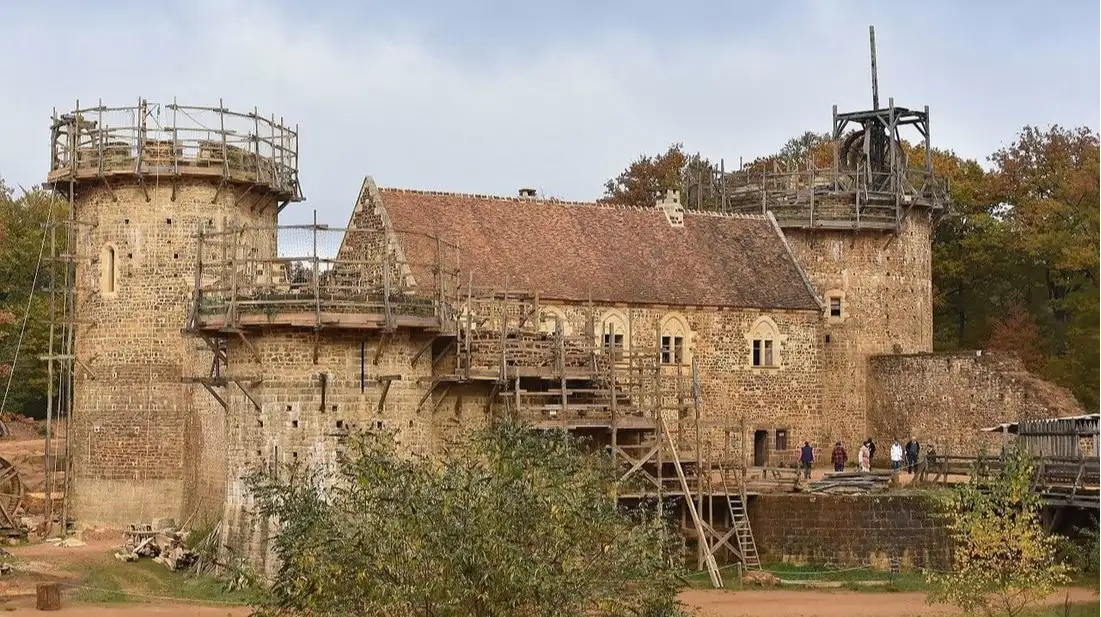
(518, 199)
(566, 202)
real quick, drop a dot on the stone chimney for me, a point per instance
(527, 193)
(671, 206)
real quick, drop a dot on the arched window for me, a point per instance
(674, 340)
(612, 334)
(764, 344)
(550, 317)
(108, 275)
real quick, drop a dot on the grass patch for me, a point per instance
(112, 582)
(805, 577)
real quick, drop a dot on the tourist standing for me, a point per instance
(806, 458)
(912, 449)
(839, 457)
(896, 456)
(864, 457)
(871, 451)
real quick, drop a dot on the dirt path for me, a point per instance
(709, 603)
(705, 603)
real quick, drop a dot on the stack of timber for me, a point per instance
(852, 482)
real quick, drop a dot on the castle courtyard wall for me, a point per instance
(943, 399)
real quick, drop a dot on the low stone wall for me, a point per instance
(848, 530)
(943, 399)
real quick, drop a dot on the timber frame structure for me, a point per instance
(642, 412)
(147, 141)
(868, 183)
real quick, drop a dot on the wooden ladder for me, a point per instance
(739, 518)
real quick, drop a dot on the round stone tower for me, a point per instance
(861, 229)
(147, 438)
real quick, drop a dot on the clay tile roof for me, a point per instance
(578, 251)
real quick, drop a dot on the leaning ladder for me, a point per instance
(743, 532)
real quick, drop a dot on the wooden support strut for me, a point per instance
(247, 394)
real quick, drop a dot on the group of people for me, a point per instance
(900, 455)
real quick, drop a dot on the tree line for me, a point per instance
(1015, 254)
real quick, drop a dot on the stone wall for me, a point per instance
(848, 530)
(307, 407)
(884, 285)
(145, 443)
(943, 399)
(734, 395)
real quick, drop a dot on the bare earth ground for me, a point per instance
(44, 562)
(781, 603)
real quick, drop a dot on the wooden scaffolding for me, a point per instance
(640, 405)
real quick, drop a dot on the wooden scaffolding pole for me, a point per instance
(712, 566)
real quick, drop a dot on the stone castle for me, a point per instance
(208, 339)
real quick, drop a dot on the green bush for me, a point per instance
(513, 523)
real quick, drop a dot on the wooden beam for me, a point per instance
(382, 342)
(443, 396)
(249, 345)
(420, 352)
(218, 398)
(382, 395)
(247, 394)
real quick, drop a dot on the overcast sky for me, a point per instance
(488, 97)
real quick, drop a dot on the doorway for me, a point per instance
(760, 448)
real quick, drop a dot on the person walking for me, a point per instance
(864, 458)
(806, 458)
(871, 451)
(896, 456)
(839, 457)
(912, 449)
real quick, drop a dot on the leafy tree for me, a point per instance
(22, 222)
(1002, 559)
(648, 176)
(1047, 180)
(511, 523)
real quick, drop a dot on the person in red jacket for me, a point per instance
(839, 457)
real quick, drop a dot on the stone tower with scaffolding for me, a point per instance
(862, 229)
(142, 182)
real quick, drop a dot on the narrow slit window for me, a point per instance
(109, 270)
(835, 307)
(757, 353)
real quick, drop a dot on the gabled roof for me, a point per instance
(572, 251)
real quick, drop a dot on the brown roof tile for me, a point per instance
(577, 251)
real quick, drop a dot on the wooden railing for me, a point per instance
(175, 140)
(309, 270)
(1060, 480)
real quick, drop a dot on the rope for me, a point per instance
(27, 312)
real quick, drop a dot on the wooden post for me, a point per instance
(316, 277)
(50, 377)
(559, 334)
(48, 597)
(836, 150)
(615, 437)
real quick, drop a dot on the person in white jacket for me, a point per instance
(896, 456)
(864, 458)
